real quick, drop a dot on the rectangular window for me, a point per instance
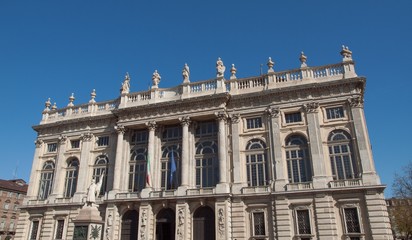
(352, 220)
(59, 229)
(103, 141)
(293, 117)
(252, 123)
(2, 224)
(11, 226)
(259, 224)
(52, 147)
(34, 230)
(303, 222)
(75, 144)
(334, 113)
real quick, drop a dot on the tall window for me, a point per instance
(352, 223)
(137, 169)
(341, 157)
(207, 165)
(258, 223)
(170, 161)
(59, 229)
(138, 160)
(100, 169)
(34, 230)
(46, 180)
(297, 157)
(71, 177)
(256, 163)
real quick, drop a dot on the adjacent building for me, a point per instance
(283, 155)
(12, 193)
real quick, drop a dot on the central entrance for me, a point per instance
(165, 225)
(129, 225)
(204, 224)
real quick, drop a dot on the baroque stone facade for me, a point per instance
(284, 155)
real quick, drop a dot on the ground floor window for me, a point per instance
(34, 229)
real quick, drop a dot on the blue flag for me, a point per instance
(172, 168)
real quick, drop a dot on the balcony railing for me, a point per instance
(200, 191)
(257, 189)
(299, 186)
(346, 183)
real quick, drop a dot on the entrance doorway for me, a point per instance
(165, 225)
(129, 225)
(204, 224)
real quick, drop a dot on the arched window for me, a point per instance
(256, 163)
(207, 165)
(297, 158)
(46, 180)
(100, 169)
(72, 173)
(137, 169)
(170, 167)
(341, 157)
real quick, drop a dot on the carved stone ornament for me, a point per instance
(151, 125)
(62, 139)
(185, 121)
(221, 116)
(186, 74)
(156, 78)
(273, 112)
(38, 143)
(235, 118)
(86, 137)
(221, 223)
(220, 68)
(143, 223)
(180, 223)
(120, 129)
(356, 101)
(311, 107)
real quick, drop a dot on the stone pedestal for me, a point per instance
(88, 224)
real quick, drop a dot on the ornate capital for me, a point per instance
(311, 107)
(185, 121)
(221, 116)
(151, 125)
(38, 143)
(273, 112)
(62, 139)
(235, 118)
(86, 137)
(356, 102)
(120, 129)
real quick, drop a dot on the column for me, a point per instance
(369, 176)
(276, 150)
(222, 186)
(83, 182)
(185, 121)
(150, 160)
(238, 169)
(315, 145)
(35, 173)
(59, 173)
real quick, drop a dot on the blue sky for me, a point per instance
(54, 48)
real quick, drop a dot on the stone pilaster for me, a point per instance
(369, 175)
(183, 222)
(222, 214)
(150, 155)
(283, 219)
(145, 218)
(222, 186)
(238, 169)
(320, 178)
(34, 181)
(280, 176)
(119, 162)
(59, 173)
(82, 181)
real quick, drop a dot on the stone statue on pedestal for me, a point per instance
(94, 190)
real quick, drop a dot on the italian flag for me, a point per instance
(148, 179)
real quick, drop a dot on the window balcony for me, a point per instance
(200, 191)
(346, 183)
(299, 186)
(256, 189)
(166, 193)
(127, 195)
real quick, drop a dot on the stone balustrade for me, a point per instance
(234, 86)
(346, 183)
(299, 186)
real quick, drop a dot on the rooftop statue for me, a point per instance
(220, 68)
(156, 78)
(126, 84)
(186, 73)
